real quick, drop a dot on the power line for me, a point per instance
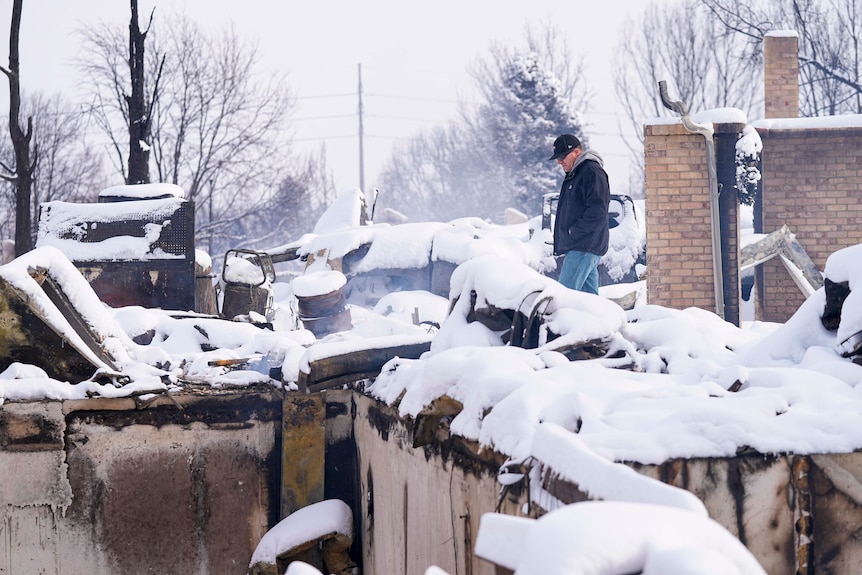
(400, 118)
(414, 98)
(333, 117)
(319, 96)
(323, 138)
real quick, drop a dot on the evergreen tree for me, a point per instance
(495, 156)
(526, 110)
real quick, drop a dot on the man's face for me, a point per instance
(569, 161)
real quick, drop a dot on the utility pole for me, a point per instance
(361, 136)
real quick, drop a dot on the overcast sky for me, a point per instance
(414, 60)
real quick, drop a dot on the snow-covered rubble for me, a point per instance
(531, 363)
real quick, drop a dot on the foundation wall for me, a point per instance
(102, 487)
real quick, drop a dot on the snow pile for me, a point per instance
(315, 521)
(603, 479)
(599, 537)
(674, 401)
(382, 246)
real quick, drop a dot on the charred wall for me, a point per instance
(99, 486)
(190, 485)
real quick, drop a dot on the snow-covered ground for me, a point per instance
(662, 391)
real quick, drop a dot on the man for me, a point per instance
(581, 228)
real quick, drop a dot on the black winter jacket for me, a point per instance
(582, 210)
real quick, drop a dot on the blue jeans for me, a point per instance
(580, 271)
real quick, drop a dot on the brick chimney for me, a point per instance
(781, 74)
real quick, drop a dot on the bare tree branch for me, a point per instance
(217, 126)
(682, 44)
(830, 36)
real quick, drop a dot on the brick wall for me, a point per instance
(780, 75)
(679, 244)
(812, 182)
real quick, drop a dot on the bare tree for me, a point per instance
(120, 105)
(830, 45)
(69, 167)
(22, 172)
(682, 44)
(218, 127)
(296, 205)
(430, 177)
(138, 105)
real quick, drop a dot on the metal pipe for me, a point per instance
(707, 133)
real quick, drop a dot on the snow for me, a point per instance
(661, 392)
(612, 537)
(600, 478)
(627, 242)
(301, 568)
(704, 119)
(783, 33)
(318, 283)
(721, 116)
(749, 144)
(243, 271)
(204, 260)
(143, 191)
(52, 263)
(820, 122)
(309, 523)
(344, 214)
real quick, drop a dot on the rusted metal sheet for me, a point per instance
(161, 276)
(164, 284)
(26, 338)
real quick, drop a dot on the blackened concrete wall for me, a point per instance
(102, 487)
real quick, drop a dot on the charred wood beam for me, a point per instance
(783, 243)
(337, 370)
